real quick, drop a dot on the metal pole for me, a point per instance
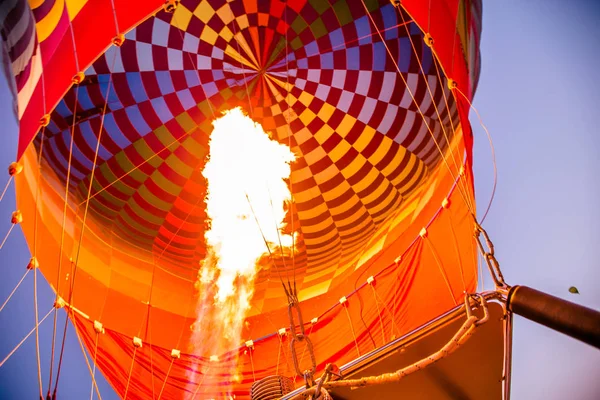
(579, 322)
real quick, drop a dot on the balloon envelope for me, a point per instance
(382, 186)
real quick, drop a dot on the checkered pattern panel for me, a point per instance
(363, 109)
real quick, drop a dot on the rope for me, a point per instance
(460, 263)
(14, 290)
(385, 308)
(460, 337)
(210, 105)
(439, 76)
(252, 363)
(37, 333)
(10, 179)
(352, 329)
(289, 136)
(35, 291)
(441, 268)
(62, 238)
(24, 339)
(429, 88)
(285, 356)
(148, 329)
(264, 238)
(135, 168)
(94, 368)
(305, 346)
(6, 236)
(160, 256)
(396, 294)
(240, 60)
(130, 371)
(114, 10)
(287, 277)
(278, 355)
(150, 300)
(87, 363)
(378, 313)
(492, 149)
(75, 56)
(200, 383)
(475, 255)
(74, 266)
(35, 227)
(165, 380)
(415, 102)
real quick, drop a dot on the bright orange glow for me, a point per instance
(246, 195)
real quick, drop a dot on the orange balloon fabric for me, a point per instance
(382, 188)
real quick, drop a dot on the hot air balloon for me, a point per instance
(117, 102)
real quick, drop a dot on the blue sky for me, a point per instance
(538, 94)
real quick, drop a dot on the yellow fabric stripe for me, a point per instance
(46, 26)
(35, 3)
(181, 17)
(74, 6)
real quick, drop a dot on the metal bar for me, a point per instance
(576, 321)
(508, 316)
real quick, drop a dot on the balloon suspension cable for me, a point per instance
(10, 179)
(87, 363)
(130, 372)
(194, 64)
(299, 337)
(62, 240)
(24, 339)
(429, 42)
(289, 137)
(278, 355)
(345, 307)
(281, 350)
(418, 107)
(6, 236)
(264, 239)
(250, 350)
(242, 69)
(440, 265)
(162, 388)
(467, 330)
(34, 261)
(490, 258)
(448, 212)
(14, 290)
(379, 314)
(200, 383)
(175, 353)
(114, 12)
(492, 149)
(74, 266)
(312, 325)
(386, 308)
(145, 161)
(148, 335)
(279, 239)
(94, 367)
(433, 101)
